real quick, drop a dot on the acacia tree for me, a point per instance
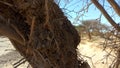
(40, 32)
(92, 28)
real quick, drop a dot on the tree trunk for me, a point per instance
(45, 37)
(89, 34)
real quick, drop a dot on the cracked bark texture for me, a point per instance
(40, 32)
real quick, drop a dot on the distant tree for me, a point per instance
(92, 27)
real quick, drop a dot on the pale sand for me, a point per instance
(8, 55)
(95, 55)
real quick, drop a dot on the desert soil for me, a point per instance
(91, 51)
(8, 55)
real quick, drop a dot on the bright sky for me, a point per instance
(72, 8)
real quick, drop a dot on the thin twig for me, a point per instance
(32, 29)
(21, 61)
(17, 30)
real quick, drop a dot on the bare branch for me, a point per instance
(115, 6)
(111, 21)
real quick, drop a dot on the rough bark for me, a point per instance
(45, 37)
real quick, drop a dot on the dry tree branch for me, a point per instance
(115, 6)
(59, 2)
(90, 58)
(32, 29)
(84, 10)
(18, 63)
(111, 21)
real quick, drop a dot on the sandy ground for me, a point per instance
(91, 51)
(8, 55)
